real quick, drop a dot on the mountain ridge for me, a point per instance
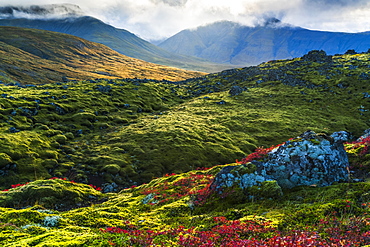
(120, 40)
(35, 56)
(232, 43)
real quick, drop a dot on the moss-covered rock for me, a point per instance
(310, 159)
(55, 194)
(112, 169)
(266, 190)
(4, 160)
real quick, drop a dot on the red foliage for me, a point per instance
(15, 186)
(364, 143)
(93, 186)
(196, 185)
(170, 174)
(259, 154)
(57, 178)
(234, 233)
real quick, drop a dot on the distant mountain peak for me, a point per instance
(272, 21)
(49, 11)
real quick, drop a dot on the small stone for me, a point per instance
(104, 89)
(13, 130)
(107, 188)
(222, 102)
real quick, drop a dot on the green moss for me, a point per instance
(56, 194)
(112, 169)
(298, 208)
(266, 190)
(4, 160)
(61, 139)
(244, 169)
(150, 128)
(21, 217)
(62, 238)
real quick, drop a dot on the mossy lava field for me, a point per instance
(129, 162)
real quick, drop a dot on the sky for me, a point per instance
(160, 19)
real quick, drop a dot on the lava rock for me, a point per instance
(222, 102)
(310, 159)
(110, 187)
(318, 57)
(235, 90)
(350, 52)
(104, 89)
(13, 130)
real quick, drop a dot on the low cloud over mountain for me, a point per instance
(239, 45)
(158, 19)
(51, 11)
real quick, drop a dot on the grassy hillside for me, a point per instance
(30, 56)
(119, 133)
(131, 131)
(120, 40)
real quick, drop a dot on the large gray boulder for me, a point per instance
(309, 159)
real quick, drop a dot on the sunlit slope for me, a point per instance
(31, 56)
(120, 40)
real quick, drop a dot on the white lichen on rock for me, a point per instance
(310, 159)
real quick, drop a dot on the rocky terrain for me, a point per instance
(268, 155)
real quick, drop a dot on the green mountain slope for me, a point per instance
(120, 40)
(130, 131)
(31, 56)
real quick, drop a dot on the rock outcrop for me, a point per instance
(309, 159)
(318, 57)
(236, 90)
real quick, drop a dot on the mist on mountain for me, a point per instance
(50, 11)
(270, 39)
(69, 19)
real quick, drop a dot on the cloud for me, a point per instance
(49, 11)
(171, 2)
(331, 15)
(157, 19)
(338, 3)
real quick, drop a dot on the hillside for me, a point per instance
(31, 56)
(120, 40)
(118, 134)
(129, 131)
(231, 43)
